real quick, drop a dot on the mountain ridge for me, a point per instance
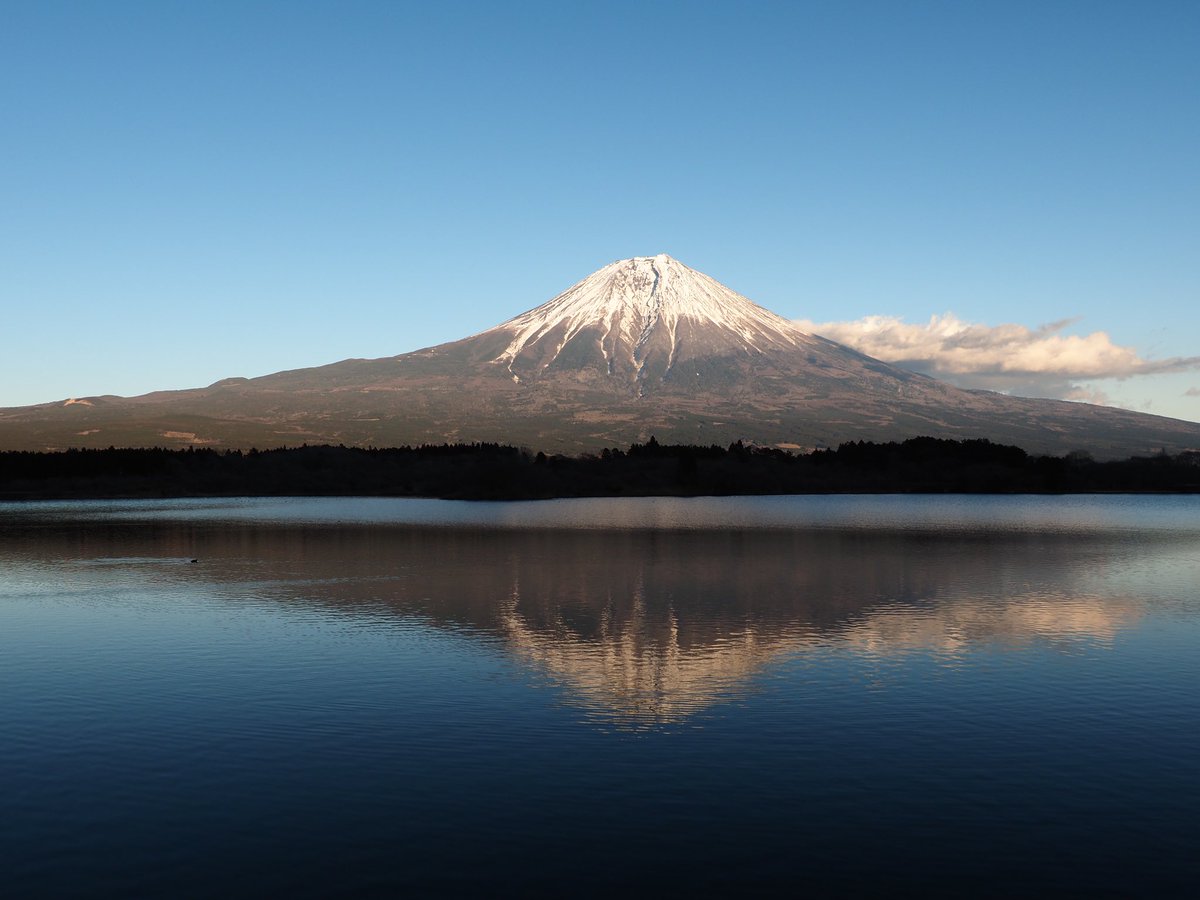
(638, 308)
(643, 346)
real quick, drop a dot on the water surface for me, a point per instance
(983, 695)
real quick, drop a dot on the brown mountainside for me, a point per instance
(644, 346)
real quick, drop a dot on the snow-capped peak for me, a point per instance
(635, 307)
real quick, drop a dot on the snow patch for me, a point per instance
(189, 436)
(639, 303)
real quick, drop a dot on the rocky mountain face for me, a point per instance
(643, 320)
(644, 346)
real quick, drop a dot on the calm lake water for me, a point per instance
(961, 696)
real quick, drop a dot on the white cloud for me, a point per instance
(1039, 362)
(1192, 392)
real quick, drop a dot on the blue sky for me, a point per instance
(190, 191)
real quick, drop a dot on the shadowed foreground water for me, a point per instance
(966, 696)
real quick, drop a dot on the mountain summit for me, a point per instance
(639, 318)
(644, 346)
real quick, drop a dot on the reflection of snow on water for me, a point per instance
(433, 683)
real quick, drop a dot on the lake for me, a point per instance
(967, 696)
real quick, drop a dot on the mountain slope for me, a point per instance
(643, 346)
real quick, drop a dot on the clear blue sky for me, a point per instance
(195, 190)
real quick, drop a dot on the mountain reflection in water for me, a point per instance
(844, 696)
(645, 627)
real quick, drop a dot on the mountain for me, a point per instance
(644, 346)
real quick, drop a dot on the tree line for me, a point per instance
(498, 471)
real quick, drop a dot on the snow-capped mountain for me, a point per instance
(639, 318)
(644, 346)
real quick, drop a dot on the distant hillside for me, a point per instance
(644, 346)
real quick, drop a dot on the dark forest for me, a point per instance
(499, 472)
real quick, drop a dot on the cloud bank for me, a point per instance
(1016, 359)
